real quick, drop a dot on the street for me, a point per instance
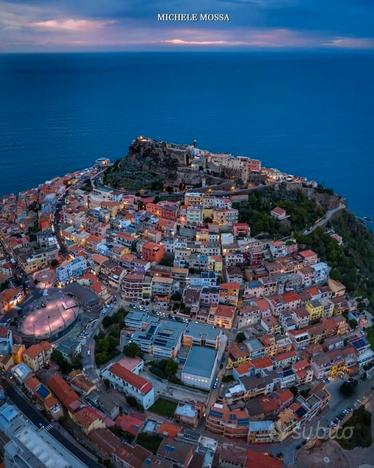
(39, 420)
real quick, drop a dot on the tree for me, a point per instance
(131, 350)
(107, 321)
(348, 388)
(176, 296)
(171, 367)
(62, 363)
(240, 337)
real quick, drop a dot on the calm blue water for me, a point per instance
(308, 114)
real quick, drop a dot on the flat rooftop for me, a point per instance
(200, 361)
(202, 331)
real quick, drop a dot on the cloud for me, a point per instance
(254, 38)
(71, 24)
(351, 43)
(33, 25)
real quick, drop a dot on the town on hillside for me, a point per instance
(156, 311)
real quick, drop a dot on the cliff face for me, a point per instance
(152, 165)
(159, 156)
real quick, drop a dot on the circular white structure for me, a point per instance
(50, 316)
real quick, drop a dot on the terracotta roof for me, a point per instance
(229, 286)
(291, 296)
(129, 423)
(285, 355)
(225, 311)
(34, 350)
(87, 415)
(169, 429)
(63, 391)
(8, 294)
(262, 363)
(244, 367)
(4, 332)
(262, 460)
(135, 380)
(105, 441)
(32, 383)
(307, 253)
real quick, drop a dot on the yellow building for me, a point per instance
(215, 263)
(315, 309)
(17, 353)
(38, 355)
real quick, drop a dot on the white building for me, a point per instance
(200, 367)
(130, 384)
(71, 269)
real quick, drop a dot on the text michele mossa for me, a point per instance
(193, 17)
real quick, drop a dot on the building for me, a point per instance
(30, 446)
(132, 287)
(187, 414)
(71, 269)
(21, 372)
(6, 341)
(131, 384)
(153, 252)
(178, 454)
(38, 356)
(200, 367)
(222, 316)
(223, 420)
(261, 432)
(9, 298)
(64, 392)
(279, 213)
(163, 339)
(89, 419)
(201, 334)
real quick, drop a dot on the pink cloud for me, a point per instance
(269, 38)
(351, 43)
(71, 24)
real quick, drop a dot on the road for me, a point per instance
(337, 404)
(174, 391)
(325, 219)
(88, 352)
(39, 420)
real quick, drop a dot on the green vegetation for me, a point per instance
(115, 319)
(123, 435)
(106, 348)
(353, 262)
(227, 378)
(360, 422)
(132, 176)
(302, 211)
(131, 350)
(107, 342)
(165, 369)
(348, 388)
(133, 402)
(149, 441)
(64, 365)
(164, 407)
(240, 337)
(370, 336)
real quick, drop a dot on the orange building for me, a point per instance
(153, 252)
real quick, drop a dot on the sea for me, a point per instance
(307, 113)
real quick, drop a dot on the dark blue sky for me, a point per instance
(66, 25)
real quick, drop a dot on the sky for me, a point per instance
(121, 25)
